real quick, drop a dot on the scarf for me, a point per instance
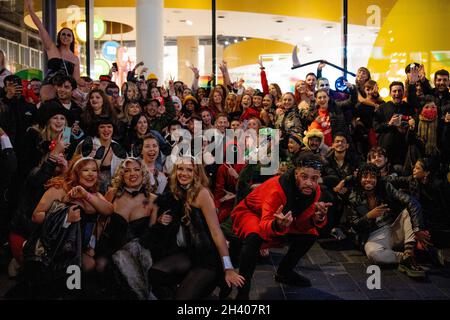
(427, 132)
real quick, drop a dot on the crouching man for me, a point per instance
(387, 221)
(284, 208)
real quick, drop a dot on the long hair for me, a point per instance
(187, 197)
(228, 106)
(136, 95)
(127, 105)
(89, 116)
(278, 90)
(118, 182)
(212, 104)
(58, 39)
(72, 177)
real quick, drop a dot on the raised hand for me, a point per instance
(422, 74)
(322, 64)
(413, 75)
(260, 62)
(196, 71)
(283, 220)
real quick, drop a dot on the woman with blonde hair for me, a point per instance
(133, 203)
(206, 259)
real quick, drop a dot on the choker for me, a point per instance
(186, 187)
(134, 192)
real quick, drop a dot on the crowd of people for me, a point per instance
(98, 176)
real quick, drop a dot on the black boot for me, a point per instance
(292, 278)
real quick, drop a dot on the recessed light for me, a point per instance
(176, 11)
(221, 17)
(183, 21)
(189, 22)
(279, 21)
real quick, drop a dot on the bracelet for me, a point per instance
(227, 263)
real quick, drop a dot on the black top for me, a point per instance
(58, 65)
(201, 247)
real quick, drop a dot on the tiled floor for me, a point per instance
(336, 273)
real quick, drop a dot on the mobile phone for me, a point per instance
(17, 81)
(66, 135)
(115, 66)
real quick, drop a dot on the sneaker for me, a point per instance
(411, 268)
(338, 234)
(292, 278)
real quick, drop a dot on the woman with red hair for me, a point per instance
(78, 192)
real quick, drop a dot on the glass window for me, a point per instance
(269, 32)
(386, 36)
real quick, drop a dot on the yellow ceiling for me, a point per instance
(331, 10)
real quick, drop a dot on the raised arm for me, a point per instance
(264, 83)
(226, 76)
(45, 37)
(195, 80)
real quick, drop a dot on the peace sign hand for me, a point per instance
(283, 220)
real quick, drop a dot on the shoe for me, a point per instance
(338, 234)
(292, 278)
(411, 268)
(224, 292)
(13, 268)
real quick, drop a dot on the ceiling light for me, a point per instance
(189, 22)
(307, 38)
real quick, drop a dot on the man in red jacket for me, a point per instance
(284, 207)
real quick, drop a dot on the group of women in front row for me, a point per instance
(180, 228)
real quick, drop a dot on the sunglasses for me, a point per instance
(66, 34)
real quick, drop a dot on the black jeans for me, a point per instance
(299, 246)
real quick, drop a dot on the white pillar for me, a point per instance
(187, 56)
(150, 36)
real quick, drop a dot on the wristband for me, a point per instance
(227, 263)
